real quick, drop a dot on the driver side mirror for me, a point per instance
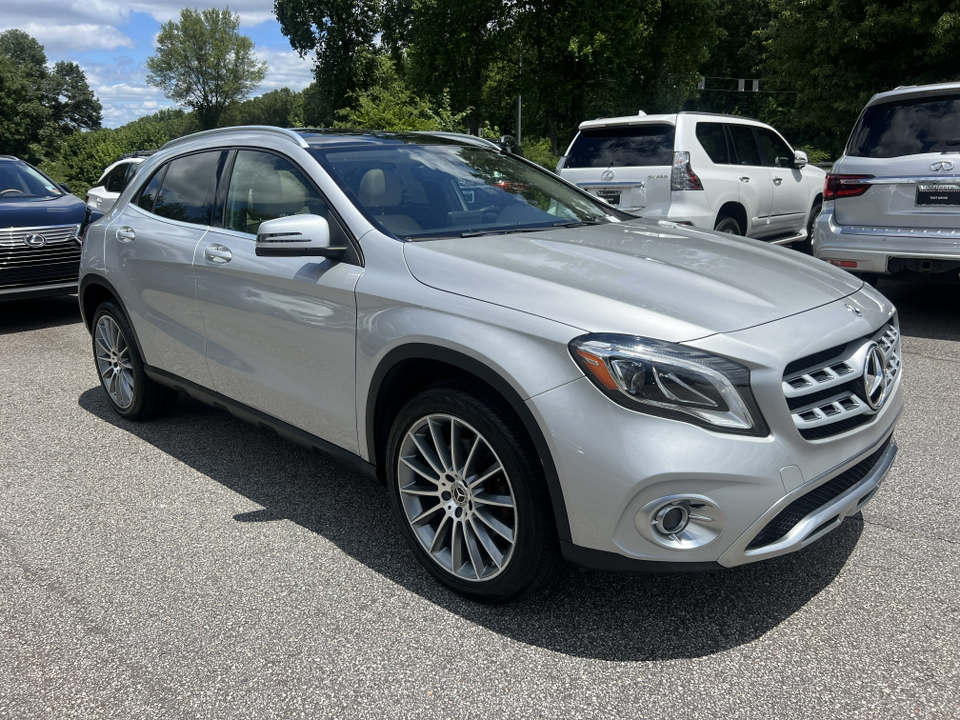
(799, 159)
(296, 236)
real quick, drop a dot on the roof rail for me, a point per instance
(275, 131)
(137, 154)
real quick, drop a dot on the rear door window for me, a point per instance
(624, 146)
(745, 144)
(714, 140)
(188, 188)
(908, 127)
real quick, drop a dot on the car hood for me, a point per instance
(639, 277)
(38, 212)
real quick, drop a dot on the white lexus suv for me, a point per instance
(715, 172)
(892, 202)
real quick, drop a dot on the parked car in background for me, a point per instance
(534, 374)
(114, 179)
(40, 225)
(716, 172)
(892, 201)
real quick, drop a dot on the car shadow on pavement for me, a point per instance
(24, 315)
(585, 614)
(925, 310)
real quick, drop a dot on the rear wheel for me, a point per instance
(806, 246)
(470, 494)
(131, 393)
(728, 225)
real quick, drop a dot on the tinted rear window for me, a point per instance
(625, 146)
(919, 125)
(188, 187)
(713, 139)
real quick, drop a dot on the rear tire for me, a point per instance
(806, 246)
(728, 225)
(130, 392)
(470, 494)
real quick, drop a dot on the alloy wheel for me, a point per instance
(113, 362)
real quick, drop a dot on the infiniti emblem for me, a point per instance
(874, 379)
(35, 240)
(855, 310)
(942, 165)
(607, 175)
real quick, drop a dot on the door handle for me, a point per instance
(744, 178)
(125, 234)
(218, 254)
(777, 181)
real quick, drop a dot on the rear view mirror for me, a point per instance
(799, 159)
(296, 236)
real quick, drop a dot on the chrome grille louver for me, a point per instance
(825, 391)
(13, 237)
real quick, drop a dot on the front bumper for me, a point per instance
(614, 464)
(872, 248)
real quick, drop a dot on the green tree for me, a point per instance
(204, 63)
(283, 108)
(39, 106)
(837, 53)
(342, 33)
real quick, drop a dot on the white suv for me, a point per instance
(893, 198)
(114, 179)
(716, 172)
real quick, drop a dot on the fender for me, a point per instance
(494, 380)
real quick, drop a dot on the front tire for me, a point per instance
(130, 392)
(806, 246)
(470, 494)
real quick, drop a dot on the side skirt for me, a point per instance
(261, 419)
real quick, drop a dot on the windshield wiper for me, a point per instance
(577, 223)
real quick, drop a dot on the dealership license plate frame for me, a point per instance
(939, 195)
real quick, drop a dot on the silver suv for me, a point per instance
(892, 201)
(533, 374)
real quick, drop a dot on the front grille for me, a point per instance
(806, 505)
(13, 237)
(825, 391)
(58, 261)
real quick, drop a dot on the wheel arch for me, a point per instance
(407, 369)
(736, 211)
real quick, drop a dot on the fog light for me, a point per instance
(681, 522)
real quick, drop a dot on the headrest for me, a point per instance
(380, 188)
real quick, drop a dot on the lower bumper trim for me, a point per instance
(590, 559)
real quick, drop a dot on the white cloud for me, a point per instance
(67, 38)
(285, 69)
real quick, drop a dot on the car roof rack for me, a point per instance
(239, 130)
(137, 154)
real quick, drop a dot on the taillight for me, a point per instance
(683, 177)
(838, 186)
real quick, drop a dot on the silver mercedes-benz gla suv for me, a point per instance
(535, 375)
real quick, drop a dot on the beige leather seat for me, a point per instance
(380, 191)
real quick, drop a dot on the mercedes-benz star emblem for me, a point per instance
(35, 240)
(874, 379)
(942, 165)
(607, 175)
(855, 310)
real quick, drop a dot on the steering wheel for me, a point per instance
(11, 190)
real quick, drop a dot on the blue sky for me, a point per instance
(111, 40)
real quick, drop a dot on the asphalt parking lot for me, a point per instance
(198, 567)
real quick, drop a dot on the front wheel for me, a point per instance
(806, 246)
(470, 494)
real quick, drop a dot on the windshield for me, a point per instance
(908, 127)
(430, 191)
(18, 181)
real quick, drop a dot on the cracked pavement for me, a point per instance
(198, 567)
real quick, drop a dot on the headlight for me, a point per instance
(672, 381)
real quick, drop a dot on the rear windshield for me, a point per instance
(625, 146)
(909, 127)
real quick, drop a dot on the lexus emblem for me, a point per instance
(942, 165)
(874, 379)
(35, 240)
(607, 175)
